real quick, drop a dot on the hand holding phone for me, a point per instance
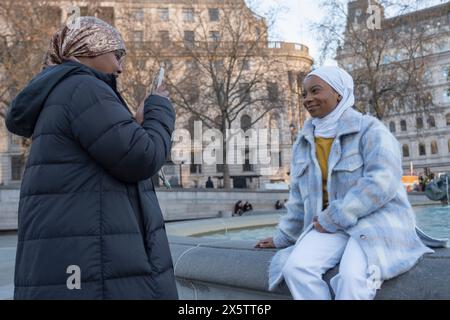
(158, 87)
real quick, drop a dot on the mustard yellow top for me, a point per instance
(323, 147)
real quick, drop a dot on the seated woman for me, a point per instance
(347, 204)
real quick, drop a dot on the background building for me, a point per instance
(424, 133)
(167, 32)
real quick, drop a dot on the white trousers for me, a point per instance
(318, 252)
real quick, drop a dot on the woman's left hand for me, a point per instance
(160, 91)
(318, 227)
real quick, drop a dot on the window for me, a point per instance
(422, 151)
(431, 122)
(434, 147)
(213, 14)
(447, 119)
(49, 17)
(419, 123)
(188, 15)
(106, 14)
(246, 122)
(446, 73)
(427, 75)
(392, 126)
(194, 93)
(17, 167)
(247, 166)
(194, 168)
(272, 91)
(167, 63)
(214, 36)
(103, 13)
(218, 65)
(244, 89)
(138, 36)
(138, 15)
(448, 145)
(245, 64)
(280, 160)
(403, 125)
(191, 65)
(163, 14)
(189, 37)
(447, 94)
(405, 150)
(16, 140)
(164, 37)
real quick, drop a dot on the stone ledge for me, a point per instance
(217, 269)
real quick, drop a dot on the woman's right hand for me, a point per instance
(265, 243)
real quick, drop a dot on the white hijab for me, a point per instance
(342, 82)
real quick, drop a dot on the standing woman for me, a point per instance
(90, 226)
(347, 203)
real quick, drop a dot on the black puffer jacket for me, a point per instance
(86, 197)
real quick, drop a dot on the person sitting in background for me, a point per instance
(238, 208)
(278, 205)
(247, 207)
(209, 184)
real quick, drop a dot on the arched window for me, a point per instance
(422, 151)
(246, 122)
(419, 123)
(392, 126)
(405, 150)
(447, 119)
(431, 122)
(403, 125)
(434, 147)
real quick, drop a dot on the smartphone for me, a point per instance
(159, 78)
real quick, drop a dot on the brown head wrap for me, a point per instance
(84, 37)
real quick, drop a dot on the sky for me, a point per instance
(293, 25)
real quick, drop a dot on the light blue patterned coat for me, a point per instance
(366, 197)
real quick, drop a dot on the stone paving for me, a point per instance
(8, 243)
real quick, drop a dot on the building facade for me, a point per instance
(160, 23)
(423, 134)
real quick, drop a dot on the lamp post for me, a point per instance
(181, 174)
(292, 130)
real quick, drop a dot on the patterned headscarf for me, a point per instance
(84, 37)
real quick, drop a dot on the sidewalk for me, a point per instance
(8, 244)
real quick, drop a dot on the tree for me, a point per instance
(386, 57)
(25, 30)
(221, 69)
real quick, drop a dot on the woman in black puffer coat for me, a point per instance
(86, 196)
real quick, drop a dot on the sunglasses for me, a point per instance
(120, 55)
